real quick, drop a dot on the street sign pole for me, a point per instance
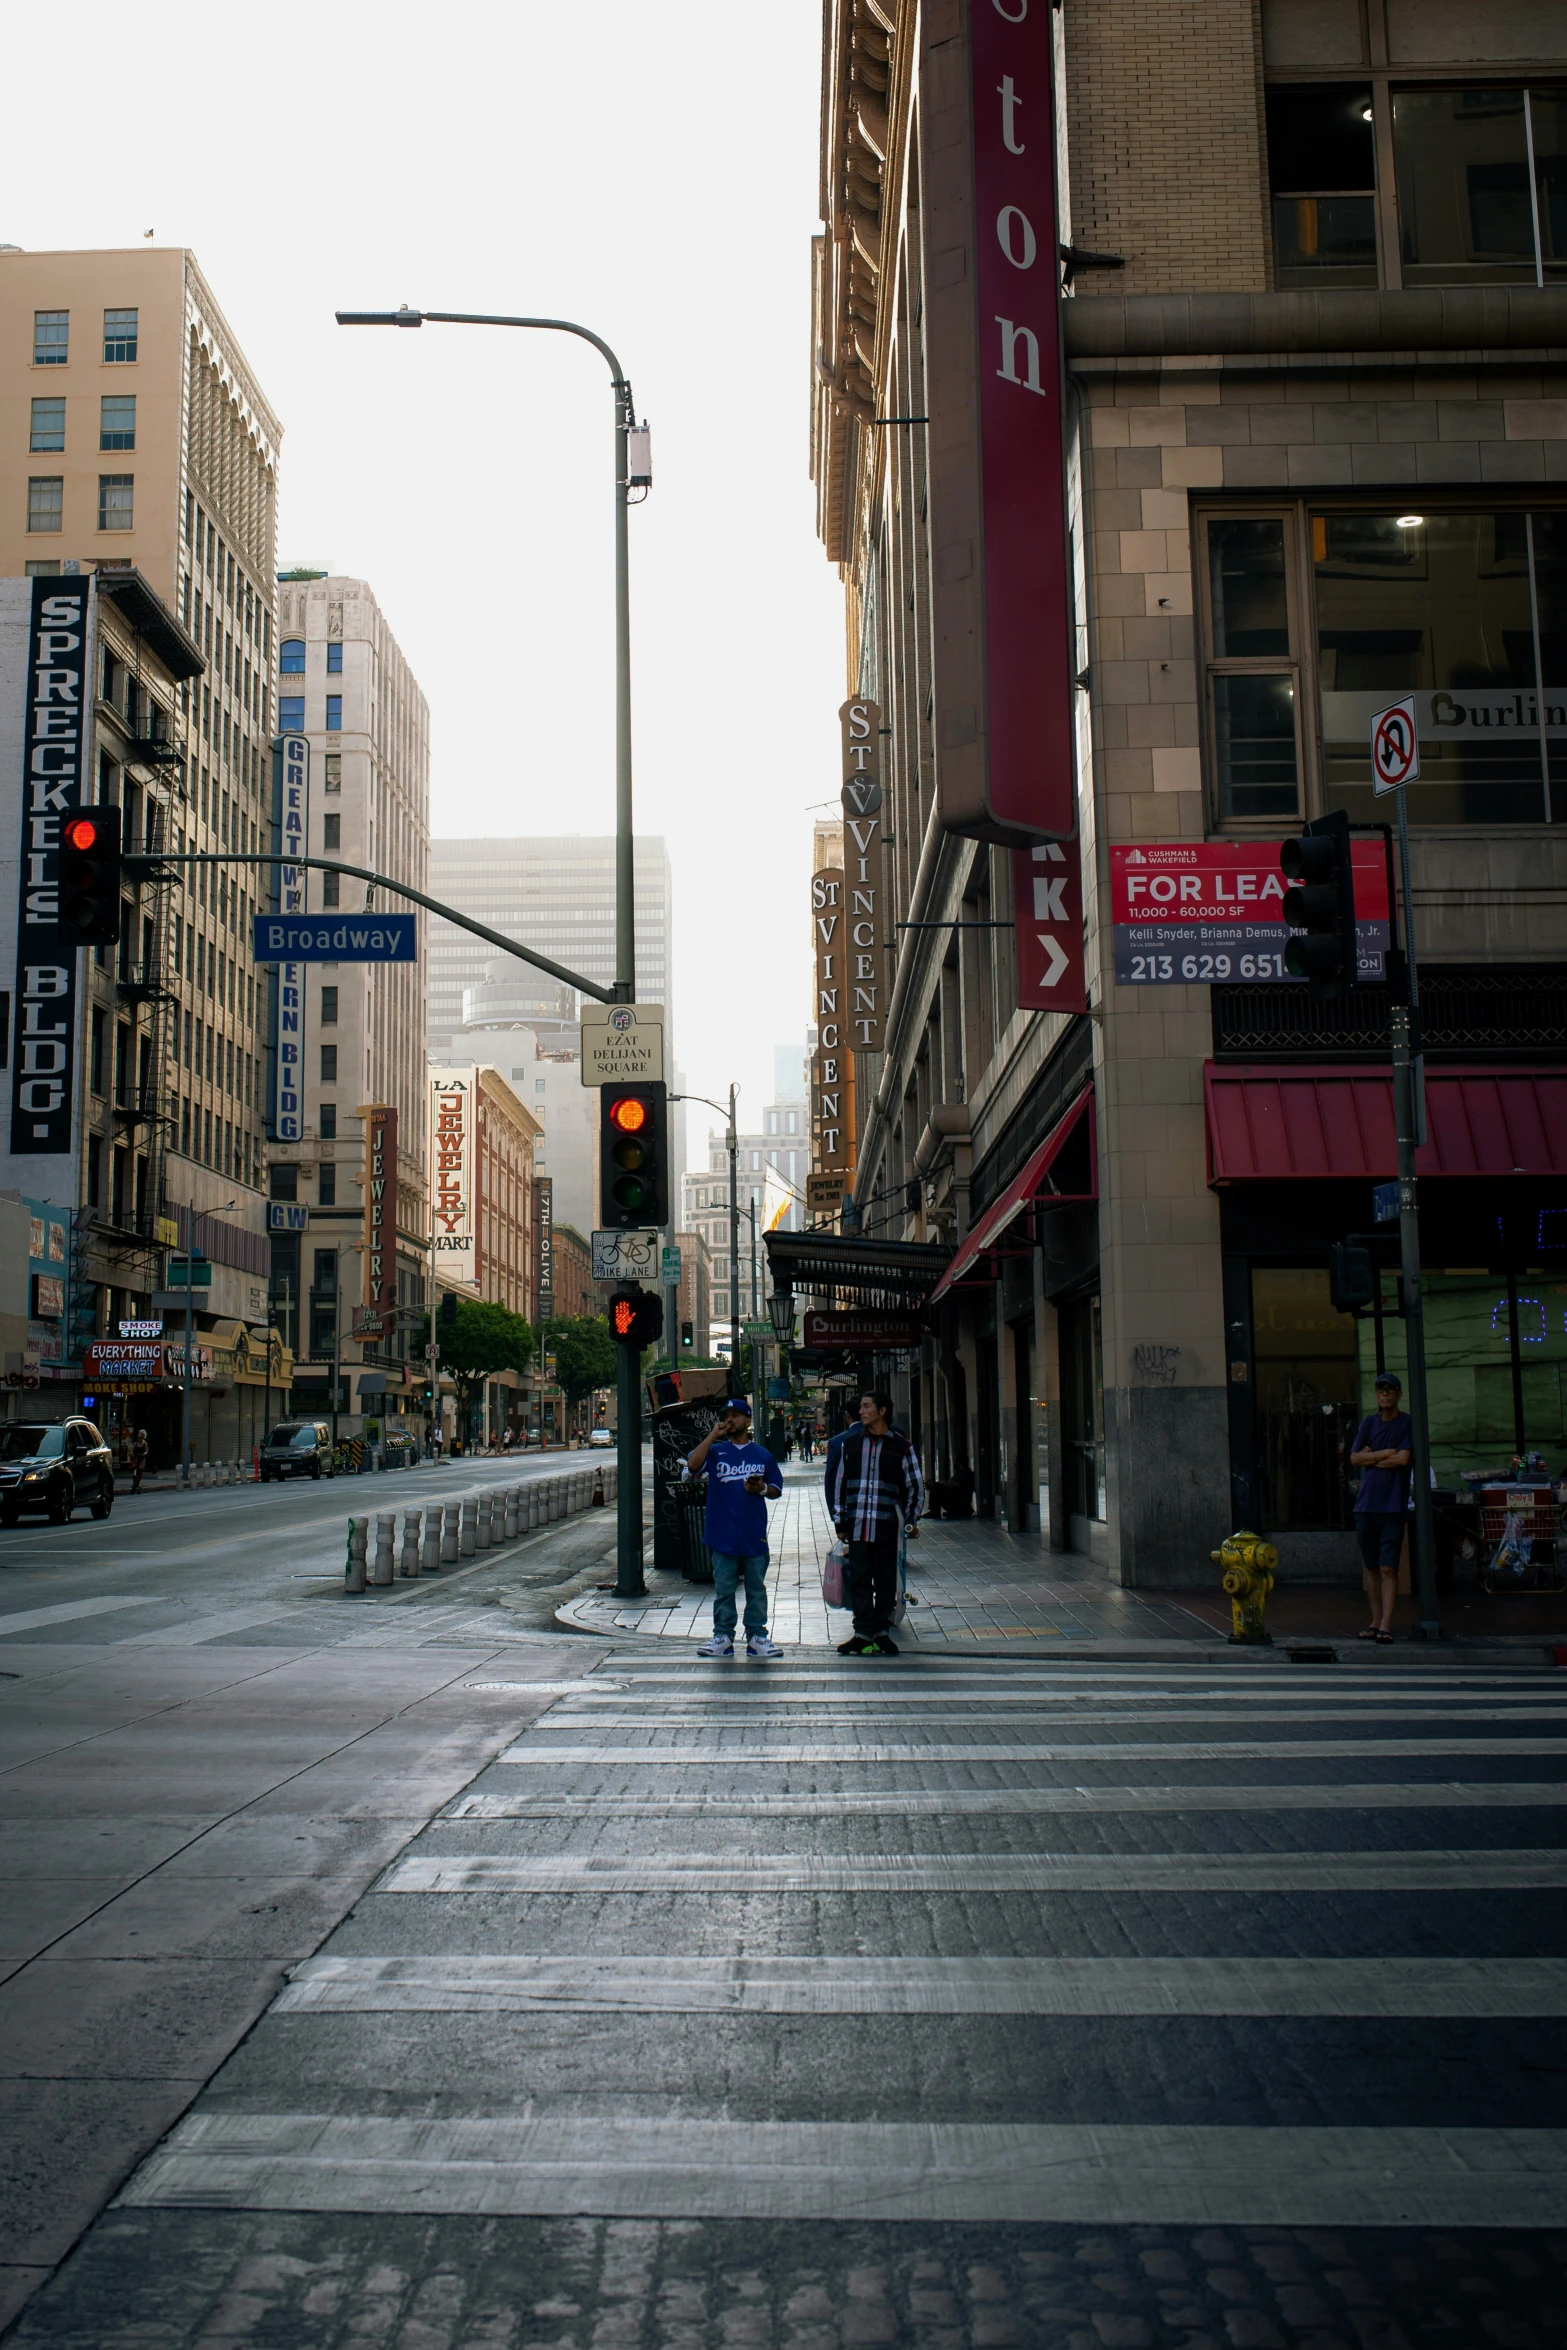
(1395, 762)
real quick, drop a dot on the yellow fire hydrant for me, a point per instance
(1248, 1564)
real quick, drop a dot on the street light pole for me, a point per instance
(732, 1142)
(625, 419)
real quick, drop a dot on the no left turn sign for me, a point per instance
(1395, 746)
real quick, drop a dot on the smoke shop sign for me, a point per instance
(1212, 912)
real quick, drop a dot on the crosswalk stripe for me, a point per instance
(65, 1611)
(853, 1985)
(682, 2168)
(708, 1873)
(761, 1694)
(685, 1758)
(872, 1717)
(1364, 1795)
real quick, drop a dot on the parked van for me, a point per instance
(297, 1448)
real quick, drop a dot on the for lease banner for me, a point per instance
(1212, 911)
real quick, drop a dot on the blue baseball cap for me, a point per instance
(737, 1403)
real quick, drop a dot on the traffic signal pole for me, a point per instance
(1408, 1107)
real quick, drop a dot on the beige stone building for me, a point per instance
(344, 683)
(1313, 423)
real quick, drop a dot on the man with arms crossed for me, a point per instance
(1382, 1452)
(742, 1478)
(874, 1492)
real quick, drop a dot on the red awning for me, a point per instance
(1019, 1193)
(1276, 1124)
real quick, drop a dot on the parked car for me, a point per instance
(601, 1436)
(401, 1449)
(53, 1468)
(298, 1448)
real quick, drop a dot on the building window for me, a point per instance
(331, 891)
(51, 337)
(331, 832)
(1253, 699)
(291, 657)
(329, 1007)
(42, 569)
(117, 421)
(328, 1121)
(1322, 174)
(334, 657)
(334, 771)
(46, 501)
(95, 1171)
(116, 501)
(326, 1185)
(48, 430)
(291, 713)
(1467, 211)
(329, 1064)
(334, 713)
(119, 337)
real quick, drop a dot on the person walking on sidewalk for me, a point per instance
(138, 1459)
(742, 1478)
(1382, 1451)
(875, 1492)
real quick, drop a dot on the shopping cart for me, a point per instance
(1520, 1538)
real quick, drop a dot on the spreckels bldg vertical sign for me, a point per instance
(44, 1001)
(452, 1114)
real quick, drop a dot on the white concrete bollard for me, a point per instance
(430, 1545)
(385, 1547)
(481, 1530)
(408, 1557)
(450, 1540)
(530, 1504)
(513, 1515)
(468, 1527)
(354, 1567)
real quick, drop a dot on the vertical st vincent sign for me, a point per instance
(1005, 765)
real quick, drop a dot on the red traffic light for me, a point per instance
(79, 832)
(629, 1114)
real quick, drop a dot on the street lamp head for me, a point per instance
(781, 1307)
(402, 317)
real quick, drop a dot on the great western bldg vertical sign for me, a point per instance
(56, 673)
(1001, 603)
(291, 838)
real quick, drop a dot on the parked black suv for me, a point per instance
(297, 1448)
(54, 1468)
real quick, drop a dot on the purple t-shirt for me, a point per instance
(1383, 1490)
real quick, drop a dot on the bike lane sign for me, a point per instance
(1395, 746)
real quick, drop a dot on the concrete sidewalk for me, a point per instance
(978, 1585)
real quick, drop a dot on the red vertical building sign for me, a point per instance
(380, 1295)
(1006, 768)
(1047, 906)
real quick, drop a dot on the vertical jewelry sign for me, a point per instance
(291, 837)
(380, 1218)
(44, 1045)
(864, 979)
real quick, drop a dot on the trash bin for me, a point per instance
(690, 1496)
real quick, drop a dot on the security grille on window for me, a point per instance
(48, 426)
(51, 338)
(119, 337)
(116, 501)
(329, 1007)
(331, 834)
(331, 890)
(46, 502)
(117, 421)
(329, 1064)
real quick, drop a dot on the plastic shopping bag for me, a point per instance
(832, 1574)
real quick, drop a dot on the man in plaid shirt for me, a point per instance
(874, 1493)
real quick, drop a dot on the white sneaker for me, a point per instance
(760, 1645)
(719, 1645)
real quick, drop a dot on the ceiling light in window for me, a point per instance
(1365, 114)
(1408, 521)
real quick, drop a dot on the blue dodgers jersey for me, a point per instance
(737, 1520)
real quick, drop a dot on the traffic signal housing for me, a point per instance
(1321, 906)
(1352, 1281)
(633, 1156)
(636, 1316)
(90, 876)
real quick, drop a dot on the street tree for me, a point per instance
(483, 1339)
(584, 1350)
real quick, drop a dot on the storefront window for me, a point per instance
(1466, 612)
(1083, 1409)
(1486, 1402)
(1307, 1398)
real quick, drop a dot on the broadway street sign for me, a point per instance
(318, 938)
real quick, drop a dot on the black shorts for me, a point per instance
(1380, 1534)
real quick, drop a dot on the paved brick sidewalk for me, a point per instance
(973, 1580)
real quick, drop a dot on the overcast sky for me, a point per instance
(651, 172)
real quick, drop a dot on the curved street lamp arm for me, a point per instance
(563, 326)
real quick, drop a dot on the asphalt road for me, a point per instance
(223, 1561)
(958, 2004)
